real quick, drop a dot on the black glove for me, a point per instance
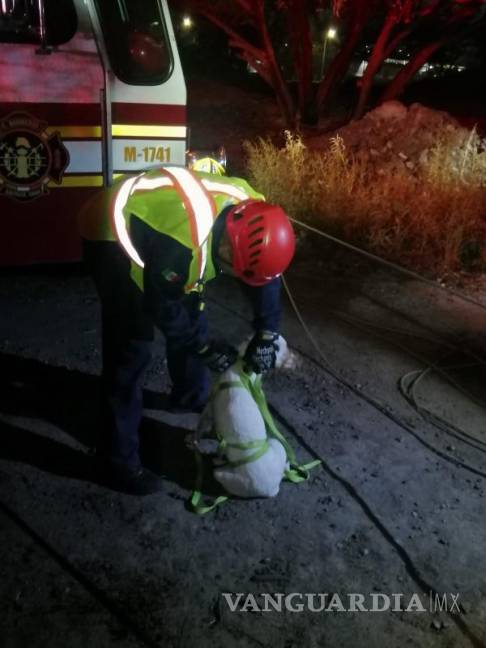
(261, 354)
(218, 356)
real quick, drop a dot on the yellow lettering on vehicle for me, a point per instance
(156, 153)
(147, 154)
(130, 154)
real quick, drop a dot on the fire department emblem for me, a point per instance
(30, 157)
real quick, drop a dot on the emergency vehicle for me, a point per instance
(89, 89)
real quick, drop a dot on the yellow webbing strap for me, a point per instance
(296, 473)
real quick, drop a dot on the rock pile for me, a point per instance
(394, 135)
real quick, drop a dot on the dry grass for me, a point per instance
(429, 215)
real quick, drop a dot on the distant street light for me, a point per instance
(187, 22)
(330, 35)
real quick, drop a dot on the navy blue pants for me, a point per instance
(127, 338)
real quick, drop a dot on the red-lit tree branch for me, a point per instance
(356, 15)
(298, 28)
(395, 87)
(402, 17)
(260, 54)
(245, 23)
(378, 55)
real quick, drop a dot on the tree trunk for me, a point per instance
(375, 61)
(396, 87)
(261, 58)
(277, 81)
(340, 62)
(301, 41)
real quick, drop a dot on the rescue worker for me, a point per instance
(151, 242)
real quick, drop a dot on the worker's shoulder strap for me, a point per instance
(230, 187)
(195, 213)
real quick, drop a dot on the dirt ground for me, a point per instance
(397, 507)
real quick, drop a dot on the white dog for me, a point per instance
(236, 418)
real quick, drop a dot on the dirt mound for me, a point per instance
(394, 132)
(397, 135)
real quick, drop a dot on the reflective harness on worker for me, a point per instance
(200, 210)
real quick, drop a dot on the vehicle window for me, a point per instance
(19, 21)
(136, 40)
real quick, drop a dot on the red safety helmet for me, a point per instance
(262, 241)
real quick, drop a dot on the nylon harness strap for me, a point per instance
(196, 497)
(296, 473)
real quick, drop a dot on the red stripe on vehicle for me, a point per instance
(128, 113)
(60, 114)
(67, 114)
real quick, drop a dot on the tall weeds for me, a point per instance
(429, 215)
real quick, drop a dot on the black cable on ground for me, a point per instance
(407, 390)
(410, 567)
(329, 369)
(400, 550)
(407, 386)
(370, 401)
(433, 419)
(120, 614)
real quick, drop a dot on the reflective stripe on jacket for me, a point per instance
(173, 201)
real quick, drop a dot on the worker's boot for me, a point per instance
(133, 481)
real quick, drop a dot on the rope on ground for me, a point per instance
(389, 264)
(408, 391)
(442, 370)
(329, 368)
(305, 327)
(433, 339)
(407, 384)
